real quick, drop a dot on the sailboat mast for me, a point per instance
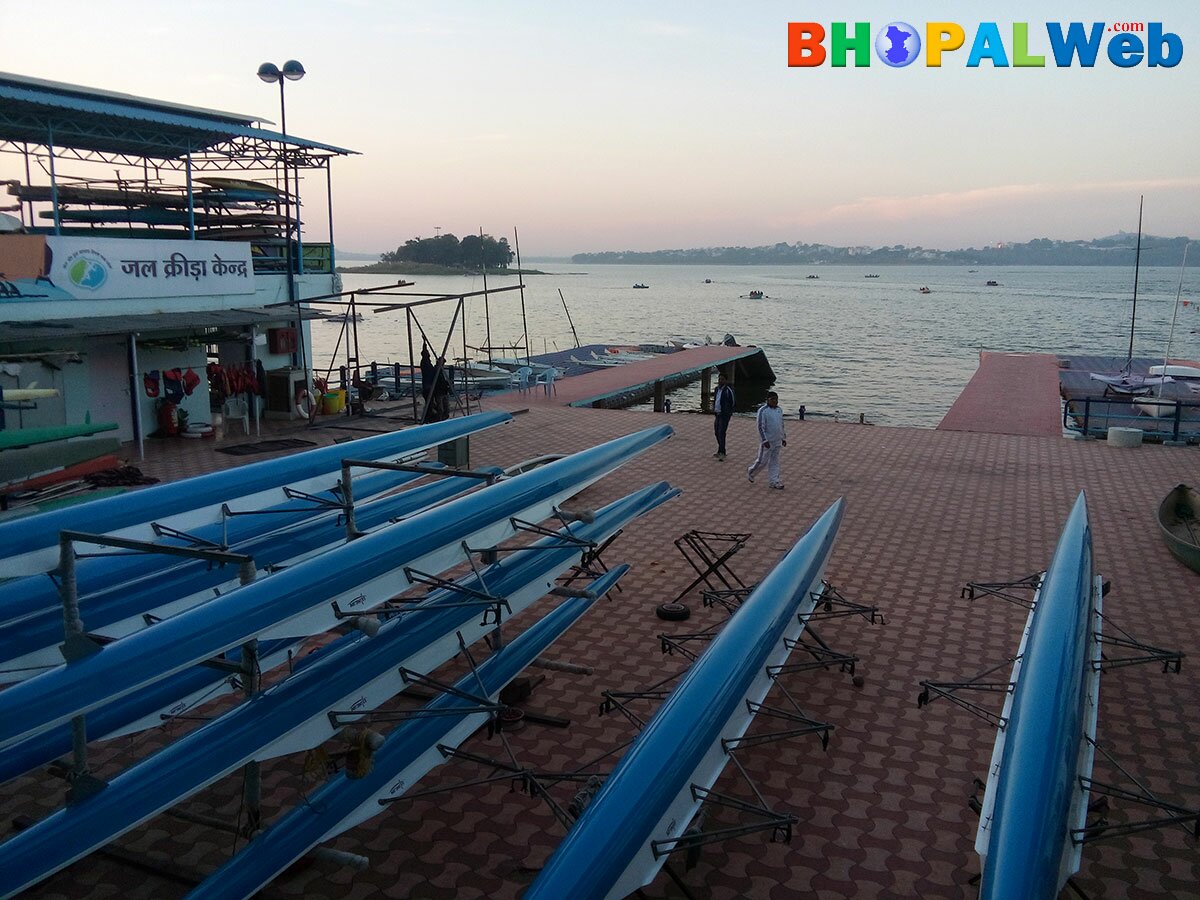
(1174, 315)
(1137, 261)
(521, 276)
(487, 313)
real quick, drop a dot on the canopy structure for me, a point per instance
(199, 323)
(91, 124)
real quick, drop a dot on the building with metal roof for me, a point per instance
(151, 241)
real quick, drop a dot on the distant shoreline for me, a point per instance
(428, 269)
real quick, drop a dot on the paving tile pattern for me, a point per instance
(1010, 393)
(882, 813)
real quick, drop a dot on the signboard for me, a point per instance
(82, 268)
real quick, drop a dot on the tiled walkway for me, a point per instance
(1010, 393)
(882, 813)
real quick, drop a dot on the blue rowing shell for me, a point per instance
(31, 645)
(266, 726)
(299, 600)
(409, 752)
(32, 594)
(648, 796)
(30, 545)
(1039, 765)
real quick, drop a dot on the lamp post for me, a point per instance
(270, 73)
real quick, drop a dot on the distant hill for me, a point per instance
(1116, 250)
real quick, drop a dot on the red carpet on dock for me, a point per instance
(1010, 393)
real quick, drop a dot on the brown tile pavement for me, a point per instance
(882, 813)
(1010, 393)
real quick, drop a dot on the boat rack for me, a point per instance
(791, 719)
(78, 644)
(709, 552)
(1137, 653)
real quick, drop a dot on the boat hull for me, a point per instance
(649, 796)
(31, 544)
(357, 673)
(305, 598)
(407, 755)
(1179, 525)
(1037, 786)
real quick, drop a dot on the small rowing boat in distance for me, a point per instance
(1177, 518)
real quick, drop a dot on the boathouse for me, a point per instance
(147, 245)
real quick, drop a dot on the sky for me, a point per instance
(644, 125)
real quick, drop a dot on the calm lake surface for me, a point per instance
(839, 343)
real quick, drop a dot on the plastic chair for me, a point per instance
(520, 379)
(236, 408)
(546, 380)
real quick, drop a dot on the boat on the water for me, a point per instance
(1177, 519)
(755, 295)
(925, 290)
(872, 275)
(641, 286)
(991, 283)
(812, 276)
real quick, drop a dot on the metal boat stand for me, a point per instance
(709, 552)
(788, 715)
(1133, 652)
(346, 485)
(78, 644)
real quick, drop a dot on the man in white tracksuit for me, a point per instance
(771, 438)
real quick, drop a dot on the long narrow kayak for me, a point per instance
(309, 597)
(31, 594)
(30, 646)
(1035, 794)
(149, 707)
(407, 755)
(649, 797)
(30, 545)
(294, 714)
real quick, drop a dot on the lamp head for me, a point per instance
(292, 70)
(269, 72)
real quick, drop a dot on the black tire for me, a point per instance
(672, 612)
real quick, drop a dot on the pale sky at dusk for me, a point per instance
(659, 125)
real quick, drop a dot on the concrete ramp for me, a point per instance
(1010, 393)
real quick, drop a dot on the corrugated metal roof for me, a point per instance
(47, 331)
(85, 118)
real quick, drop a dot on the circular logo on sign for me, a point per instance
(88, 270)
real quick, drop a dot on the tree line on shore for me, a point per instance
(1117, 250)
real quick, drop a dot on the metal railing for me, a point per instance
(1177, 427)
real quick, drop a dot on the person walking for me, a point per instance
(723, 412)
(772, 439)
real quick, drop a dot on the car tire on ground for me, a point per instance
(672, 612)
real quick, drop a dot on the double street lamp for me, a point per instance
(270, 73)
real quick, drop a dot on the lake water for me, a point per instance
(840, 343)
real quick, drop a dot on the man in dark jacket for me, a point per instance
(723, 410)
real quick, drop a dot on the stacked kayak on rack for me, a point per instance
(178, 630)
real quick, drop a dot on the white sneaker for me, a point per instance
(778, 487)
(750, 477)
